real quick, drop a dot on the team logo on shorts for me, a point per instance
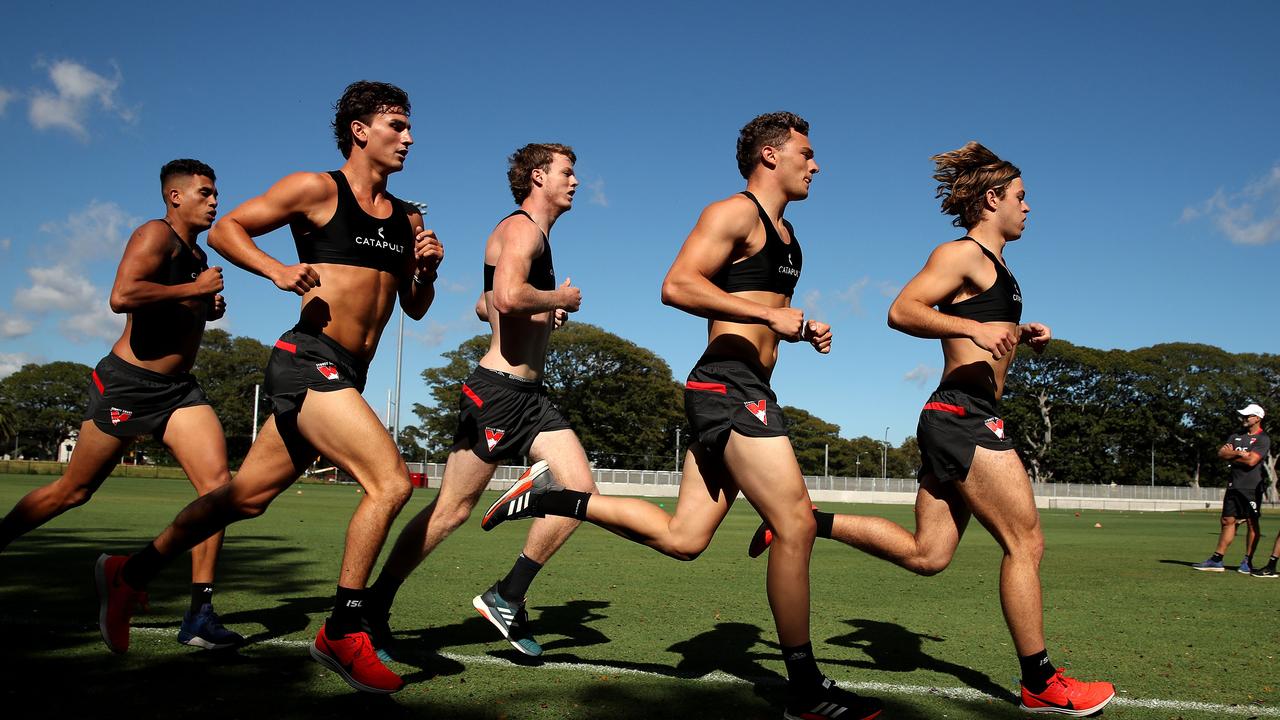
(118, 416)
(493, 437)
(328, 370)
(996, 425)
(757, 408)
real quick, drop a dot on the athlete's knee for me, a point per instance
(930, 563)
(205, 484)
(686, 549)
(74, 496)
(393, 494)
(795, 528)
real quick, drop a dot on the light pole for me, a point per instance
(884, 457)
(421, 207)
(677, 449)
(858, 464)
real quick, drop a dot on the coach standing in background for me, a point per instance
(1243, 501)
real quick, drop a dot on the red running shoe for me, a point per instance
(354, 659)
(1068, 696)
(116, 601)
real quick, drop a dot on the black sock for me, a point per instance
(383, 590)
(142, 567)
(1216, 557)
(1036, 671)
(1271, 564)
(201, 594)
(348, 604)
(515, 585)
(802, 668)
(825, 520)
(1249, 559)
(565, 503)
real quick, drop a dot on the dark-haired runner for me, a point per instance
(504, 407)
(360, 250)
(738, 268)
(144, 385)
(968, 465)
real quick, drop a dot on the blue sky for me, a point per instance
(1146, 132)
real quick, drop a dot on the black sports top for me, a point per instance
(354, 237)
(775, 268)
(187, 261)
(542, 273)
(1002, 302)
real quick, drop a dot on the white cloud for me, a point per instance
(12, 326)
(1249, 216)
(63, 289)
(852, 295)
(99, 230)
(922, 375)
(11, 363)
(77, 90)
(597, 192)
(5, 97)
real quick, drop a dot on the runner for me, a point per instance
(968, 465)
(359, 250)
(144, 385)
(505, 412)
(738, 269)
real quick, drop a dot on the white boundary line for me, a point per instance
(718, 677)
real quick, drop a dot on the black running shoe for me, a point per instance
(827, 702)
(1265, 572)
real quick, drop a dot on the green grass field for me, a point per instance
(629, 633)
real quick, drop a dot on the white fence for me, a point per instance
(666, 483)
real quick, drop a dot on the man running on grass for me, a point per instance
(144, 385)
(504, 407)
(360, 251)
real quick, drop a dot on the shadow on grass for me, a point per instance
(893, 648)
(1184, 563)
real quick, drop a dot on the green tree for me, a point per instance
(619, 397)
(228, 368)
(46, 403)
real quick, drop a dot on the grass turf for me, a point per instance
(629, 633)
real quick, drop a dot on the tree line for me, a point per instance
(1077, 414)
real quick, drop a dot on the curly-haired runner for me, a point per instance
(966, 297)
(738, 268)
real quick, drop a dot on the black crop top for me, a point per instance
(187, 262)
(1002, 302)
(776, 268)
(542, 272)
(354, 237)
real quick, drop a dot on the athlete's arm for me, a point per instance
(295, 197)
(482, 308)
(723, 228)
(512, 294)
(418, 290)
(945, 273)
(144, 257)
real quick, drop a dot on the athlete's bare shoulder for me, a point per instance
(962, 257)
(306, 187)
(151, 236)
(733, 217)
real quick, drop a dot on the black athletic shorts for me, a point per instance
(724, 394)
(306, 359)
(126, 401)
(953, 424)
(501, 414)
(1240, 504)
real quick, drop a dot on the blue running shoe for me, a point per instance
(204, 630)
(510, 619)
(1244, 568)
(1209, 565)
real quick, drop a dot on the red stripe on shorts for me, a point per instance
(944, 407)
(287, 347)
(472, 394)
(101, 390)
(713, 387)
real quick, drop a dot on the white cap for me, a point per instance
(1252, 409)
